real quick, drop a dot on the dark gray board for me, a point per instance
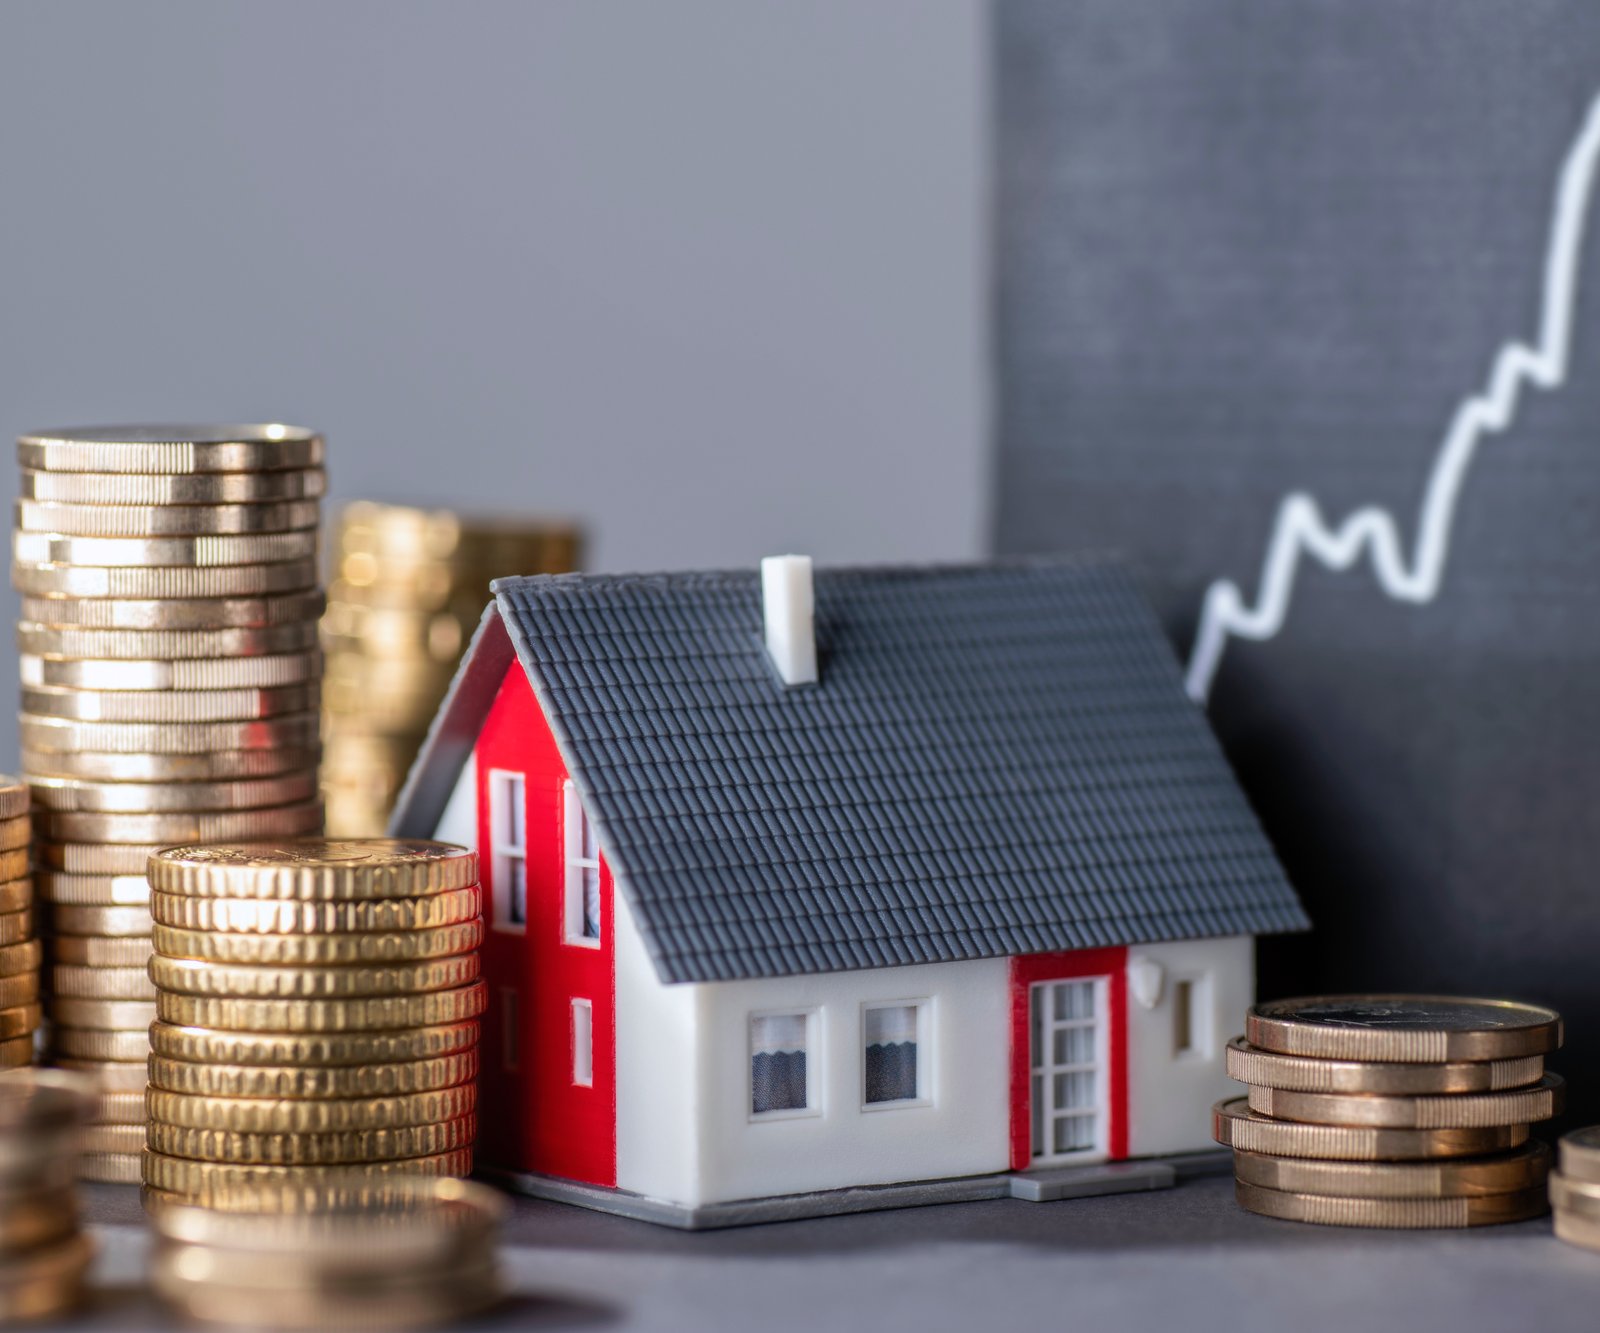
(1245, 248)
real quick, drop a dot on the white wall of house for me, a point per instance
(459, 822)
(1175, 1069)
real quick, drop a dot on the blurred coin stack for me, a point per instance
(19, 944)
(396, 1253)
(1392, 1110)
(408, 588)
(170, 693)
(317, 1005)
(1575, 1188)
(43, 1255)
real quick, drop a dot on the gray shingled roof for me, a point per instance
(998, 759)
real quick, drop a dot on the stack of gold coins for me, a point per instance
(43, 1256)
(317, 1006)
(1575, 1188)
(19, 945)
(402, 1252)
(409, 587)
(170, 693)
(1392, 1110)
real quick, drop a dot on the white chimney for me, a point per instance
(786, 604)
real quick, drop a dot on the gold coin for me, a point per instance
(111, 1075)
(171, 449)
(312, 1049)
(95, 953)
(266, 917)
(1461, 1110)
(1411, 1029)
(13, 800)
(48, 1283)
(347, 1015)
(94, 1044)
(120, 1108)
(92, 890)
(1521, 1168)
(337, 1082)
(1304, 1074)
(402, 946)
(229, 673)
(1580, 1198)
(207, 766)
(1576, 1229)
(15, 1020)
(68, 980)
(20, 989)
(1580, 1154)
(177, 706)
(1332, 1210)
(14, 864)
(137, 583)
(24, 957)
(205, 613)
(202, 552)
(106, 1015)
(368, 630)
(162, 489)
(349, 1146)
(190, 976)
(161, 520)
(16, 895)
(33, 1218)
(111, 1168)
(70, 920)
(225, 1185)
(98, 859)
(297, 731)
(317, 869)
(114, 644)
(15, 833)
(251, 1115)
(182, 826)
(74, 794)
(16, 1052)
(114, 1139)
(15, 927)
(1235, 1126)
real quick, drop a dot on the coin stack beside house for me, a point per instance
(19, 943)
(1575, 1188)
(170, 693)
(408, 589)
(317, 1006)
(1392, 1111)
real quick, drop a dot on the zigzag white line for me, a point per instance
(1300, 527)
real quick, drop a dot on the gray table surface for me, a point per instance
(1186, 1258)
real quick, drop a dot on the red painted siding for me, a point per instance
(532, 1116)
(1111, 963)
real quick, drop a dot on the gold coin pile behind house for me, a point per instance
(409, 587)
(170, 693)
(43, 1256)
(396, 1253)
(317, 1010)
(1392, 1110)
(20, 950)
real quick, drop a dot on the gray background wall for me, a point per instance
(708, 274)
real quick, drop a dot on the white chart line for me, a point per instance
(1301, 529)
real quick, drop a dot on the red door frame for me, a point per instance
(534, 1117)
(1026, 971)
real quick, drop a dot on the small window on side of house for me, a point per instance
(893, 1063)
(780, 1048)
(508, 853)
(583, 1043)
(581, 870)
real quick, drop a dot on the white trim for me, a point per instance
(583, 1043)
(814, 1064)
(508, 815)
(1043, 1071)
(577, 832)
(923, 1007)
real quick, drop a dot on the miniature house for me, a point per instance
(913, 875)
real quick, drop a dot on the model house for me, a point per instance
(818, 888)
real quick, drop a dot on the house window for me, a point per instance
(583, 1043)
(582, 870)
(510, 1030)
(893, 1043)
(508, 807)
(1191, 1018)
(779, 1078)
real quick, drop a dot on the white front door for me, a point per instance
(1067, 1037)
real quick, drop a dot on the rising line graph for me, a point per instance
(1300, 530)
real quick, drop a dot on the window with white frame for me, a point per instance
(508, 834)
(779, 1077)
(893, 1045)
(581, 878)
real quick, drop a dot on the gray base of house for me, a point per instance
(1042, 1186)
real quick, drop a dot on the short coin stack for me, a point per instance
(397, 1253)
(1575, 1188)
(19, 945)
(43, 1256)
(170, 693)
(1392, 1110)
(409, 587)
(317, 1005)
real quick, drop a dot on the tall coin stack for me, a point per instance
(317, 1006)
(1392, 1110)
(170, 693)
(19, 945)
(1575, 1188)
(409, 587)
